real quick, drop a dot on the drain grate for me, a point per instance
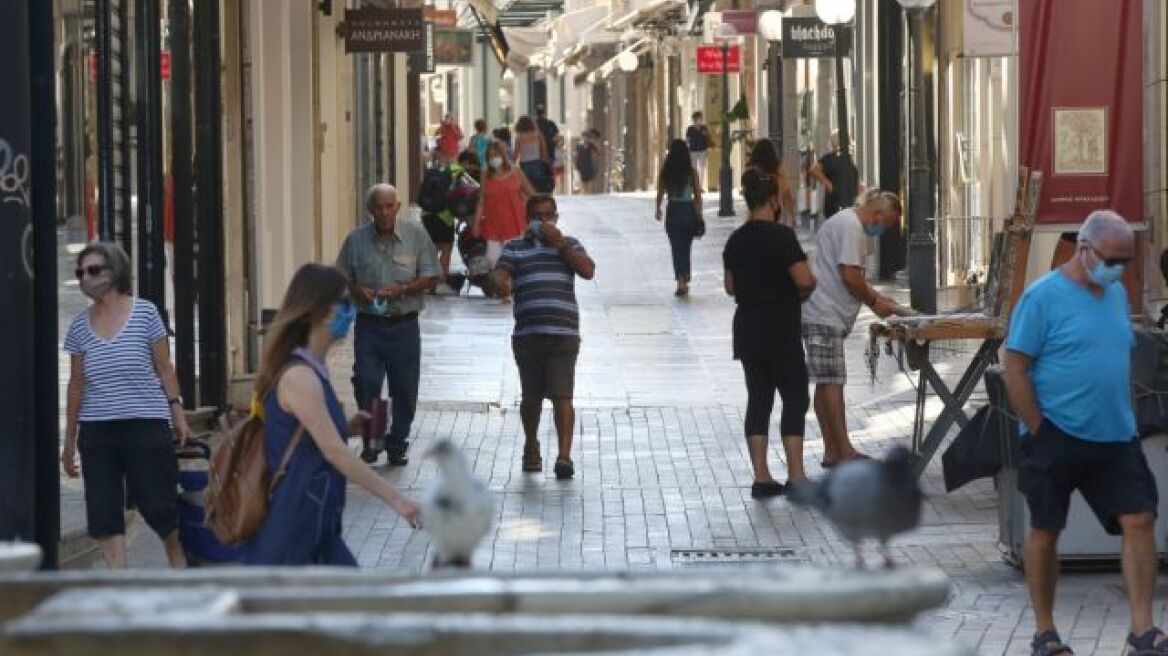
(736, 556)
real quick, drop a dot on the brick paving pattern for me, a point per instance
(661, 463)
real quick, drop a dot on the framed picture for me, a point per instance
(1080, 140)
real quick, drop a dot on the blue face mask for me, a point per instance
(534, 225)
(875, 230)
(344, 313)
(1103, 275)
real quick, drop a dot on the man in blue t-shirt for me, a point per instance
(697, 138)
(1068, 374)
(542, 266)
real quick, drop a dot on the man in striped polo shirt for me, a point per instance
(539, 269)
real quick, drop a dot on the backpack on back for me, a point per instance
(239, 487)
(432, 196)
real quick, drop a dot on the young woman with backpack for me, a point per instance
(303, 425)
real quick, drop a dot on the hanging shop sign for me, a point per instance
(710, 59)
(1081, 116)
(454, 47)
(742, 20)
(807, 37)
(441, 18)
(384, 30)
(424, 61)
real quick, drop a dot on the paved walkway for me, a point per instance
(662, 469)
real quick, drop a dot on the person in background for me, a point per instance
(542, 267)
(449, 139)
(479, 142)
(440, 225)
(764, 158)
(587, 161)
(678, 180)
(830, 313)
(503, 136)
(768, 276)
(471, 164)
(390, 265)
(1068, 377)
(122, 408)
(532, 155)
(295, 399)
(839, 178)
(549, 131)
(500, 216)
(697, 138)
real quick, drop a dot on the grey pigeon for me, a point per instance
(867, 499)
(458, 511)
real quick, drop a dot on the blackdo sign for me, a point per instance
(808, 37)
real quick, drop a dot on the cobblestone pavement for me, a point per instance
(661, 464)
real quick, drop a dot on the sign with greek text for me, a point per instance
(384, 30)
(808, 37)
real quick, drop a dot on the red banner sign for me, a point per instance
(710, 59)
(1081, 75)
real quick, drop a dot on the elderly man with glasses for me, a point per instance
(1068, 374)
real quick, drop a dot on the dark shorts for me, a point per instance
(440, 231)
(1113, 478)
(547, 365)
(134, 456)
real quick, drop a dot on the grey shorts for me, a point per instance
(825, 354)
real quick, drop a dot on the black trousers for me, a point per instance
(784, 370)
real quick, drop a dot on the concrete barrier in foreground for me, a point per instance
(778, 611)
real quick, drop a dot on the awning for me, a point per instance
(654, 11)
(529, 47)
(567, 29)
(595, 35)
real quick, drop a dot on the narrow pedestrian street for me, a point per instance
(662, 471)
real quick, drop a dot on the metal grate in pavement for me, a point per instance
(736, 556)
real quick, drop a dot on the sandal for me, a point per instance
(859, 456)
(564, 469)
(1152, 643)
(1049, 644)
(532, 461)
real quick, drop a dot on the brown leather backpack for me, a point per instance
(239, 487)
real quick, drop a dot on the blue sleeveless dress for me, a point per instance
(303, 525)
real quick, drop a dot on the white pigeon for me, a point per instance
(458, 511)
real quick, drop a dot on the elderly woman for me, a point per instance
(122, 408)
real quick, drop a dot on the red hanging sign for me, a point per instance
(710, 59)
(1081, 118)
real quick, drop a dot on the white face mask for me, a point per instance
(495, 162)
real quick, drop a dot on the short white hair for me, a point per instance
(1103, 223)
(379, 188)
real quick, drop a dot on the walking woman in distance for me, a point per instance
(683, 214)
(296, 400)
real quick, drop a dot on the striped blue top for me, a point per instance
(544, 287)
(120, 380)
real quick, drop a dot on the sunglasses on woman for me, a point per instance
(93, 270)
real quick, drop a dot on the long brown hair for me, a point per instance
(311, 294)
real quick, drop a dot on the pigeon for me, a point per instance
(458, 511)
(867, 499)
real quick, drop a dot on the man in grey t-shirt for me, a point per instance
(830, 313)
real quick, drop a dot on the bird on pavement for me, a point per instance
(867, 499)
(458, 510)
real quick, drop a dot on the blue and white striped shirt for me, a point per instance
(120, 380)
(544, 287)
